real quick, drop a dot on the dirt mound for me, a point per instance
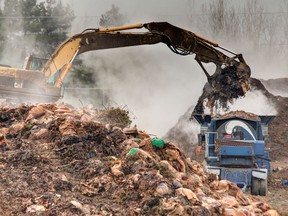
(278, 127)
(55, 160)
(277, 86)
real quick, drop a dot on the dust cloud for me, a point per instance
(156, 85)
(254, 101)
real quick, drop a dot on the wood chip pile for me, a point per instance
(56, 160)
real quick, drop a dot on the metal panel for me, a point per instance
(236, 143)
(236, 151)
(238, 176)
(259, 148)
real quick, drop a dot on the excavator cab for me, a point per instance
(34, 63)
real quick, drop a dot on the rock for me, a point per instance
(35, 208)
(189, 194)
(162, 189)
(36, 112)
(116, 169)
(16, 127)
(271, 213)
(229, 202)
(68, 127)
(43, 133)
(223, 186)
(263, 206)
(176, 184)
(232, 212)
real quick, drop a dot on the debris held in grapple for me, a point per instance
(223, 88)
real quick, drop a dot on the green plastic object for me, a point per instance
(133, 151)
(159, 143)
(137, 140)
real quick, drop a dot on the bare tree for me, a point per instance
(254, 24)
(283, 41)
(222, 20)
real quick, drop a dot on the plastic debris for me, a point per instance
(158, 143)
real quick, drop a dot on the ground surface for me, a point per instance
(278, 194)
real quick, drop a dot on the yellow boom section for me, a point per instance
(62, 56)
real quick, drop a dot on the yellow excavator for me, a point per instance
(44, 81)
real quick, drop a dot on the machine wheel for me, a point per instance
(258, 186)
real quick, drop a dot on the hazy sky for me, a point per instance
(159, 86)
(88, 11)
(175, 11)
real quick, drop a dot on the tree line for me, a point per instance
(31, 27)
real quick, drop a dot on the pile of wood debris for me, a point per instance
(222, 88)
(55, 160)
(239, 114)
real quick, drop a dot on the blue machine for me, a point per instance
(236, 148)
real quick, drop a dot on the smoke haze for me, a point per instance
(150, 82)
(255, 102)
(155, 84)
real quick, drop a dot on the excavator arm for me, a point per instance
(34, 81)
(180, 41)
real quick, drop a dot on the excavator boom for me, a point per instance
(180, 41)
(92, 40)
